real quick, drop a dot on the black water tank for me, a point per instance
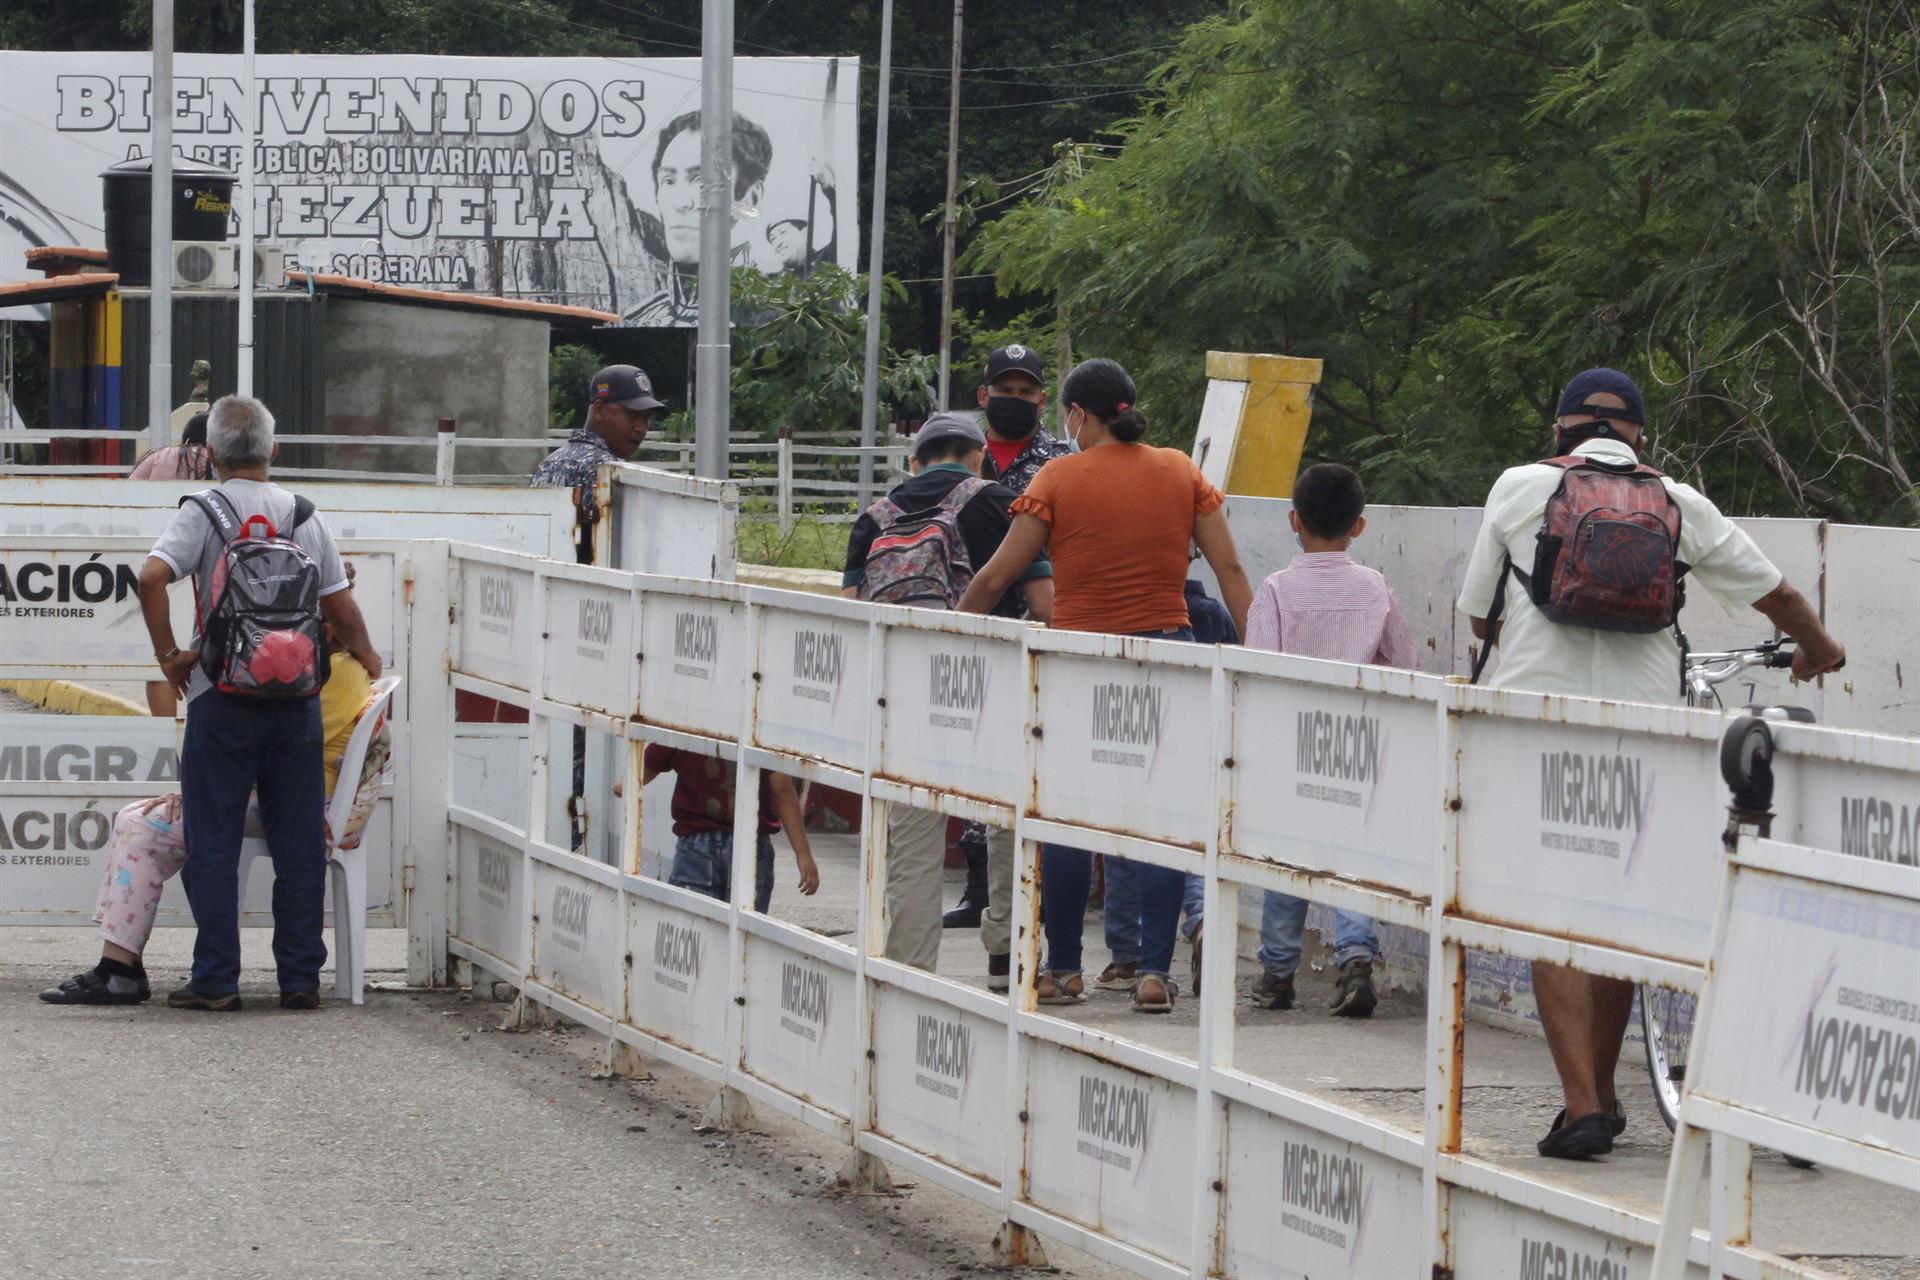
(202, 202)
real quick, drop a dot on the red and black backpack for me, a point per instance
(1608, 553)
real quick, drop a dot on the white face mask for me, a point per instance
(1073, 437)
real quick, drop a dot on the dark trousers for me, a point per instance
(1066, 878)
(234, 747)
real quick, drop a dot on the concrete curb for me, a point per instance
(71, 699)
(824, 582)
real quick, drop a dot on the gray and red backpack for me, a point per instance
(920, 559)
(260, 630)
(1608, 553)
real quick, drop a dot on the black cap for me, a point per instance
(1602, 381)
(1007, 359)
(625, 385)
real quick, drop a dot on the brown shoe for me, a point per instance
(1060, 988)
(1116, 977)
(1153, 994)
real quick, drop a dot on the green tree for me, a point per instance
(799, 357)
(1456, 203)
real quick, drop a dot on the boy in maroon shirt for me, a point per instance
(703, 793)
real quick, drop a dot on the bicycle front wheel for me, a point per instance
(1666, 1020)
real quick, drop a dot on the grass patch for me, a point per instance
(810, 544)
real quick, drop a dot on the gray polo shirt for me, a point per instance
(191, 545)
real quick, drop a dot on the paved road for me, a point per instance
(409, 1138)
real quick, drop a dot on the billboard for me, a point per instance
(572, 180)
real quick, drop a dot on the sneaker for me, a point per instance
(191, 997)
(999, 972)
(1585, 1138)
(1154, 993)
(299, 999)
(1270, 991)
(1060, 988)
(97, 986)
(1354, 997)
(1198, 930)
(1117, 977)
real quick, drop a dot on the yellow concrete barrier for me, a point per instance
(70, 698)
(1253, 427)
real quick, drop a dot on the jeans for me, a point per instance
(233, 748)
(1283, 917)
(703, 862)
(1066, 877)
(1122, 913)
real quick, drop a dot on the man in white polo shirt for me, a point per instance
(1601, 418)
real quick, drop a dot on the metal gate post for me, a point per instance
(428, 762)
(1446, 996)
(1221, 906)
(1013, 1244)
(864, 1172)
(730, 1108)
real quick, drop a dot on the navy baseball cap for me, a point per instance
(1015, 358)
(1603, 381)
(625, 385)
(943, 426)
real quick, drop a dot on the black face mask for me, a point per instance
(1011, 417)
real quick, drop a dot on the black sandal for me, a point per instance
(1585, 1138)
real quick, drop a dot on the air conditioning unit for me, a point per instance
(205, 264)
(269, 266)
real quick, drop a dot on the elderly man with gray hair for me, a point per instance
(236, 744)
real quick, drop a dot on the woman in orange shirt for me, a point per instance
(1117, 519)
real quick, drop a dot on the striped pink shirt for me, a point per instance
(1323, 605)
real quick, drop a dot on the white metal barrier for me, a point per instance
(72, 608)
(1808, 1032)
(1379, 790)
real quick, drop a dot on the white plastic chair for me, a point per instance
(349, 865)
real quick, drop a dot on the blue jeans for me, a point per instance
(1066, 877)
(1283, 918)
(703, 862)
(1123, 910)
(234, 747)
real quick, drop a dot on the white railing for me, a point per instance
(805, 479)
(1382, 791)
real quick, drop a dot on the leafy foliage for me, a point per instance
(1458, 203)
(801, 363)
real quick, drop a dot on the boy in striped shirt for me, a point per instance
(1323, 605)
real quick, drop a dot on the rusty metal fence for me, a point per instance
(1543, 827)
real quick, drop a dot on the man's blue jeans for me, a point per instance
(1283, 919)
(1123, 909)
(234, 747)
(703, 862)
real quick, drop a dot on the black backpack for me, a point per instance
(260, 633)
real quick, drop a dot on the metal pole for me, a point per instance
(244, 378)
(713, 352)
(160, 200)
(947, 231)
(876, 260)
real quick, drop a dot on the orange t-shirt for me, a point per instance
(1121, 519)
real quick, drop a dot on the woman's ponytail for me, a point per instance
(1129, 425)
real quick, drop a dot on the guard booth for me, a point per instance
(334, 356)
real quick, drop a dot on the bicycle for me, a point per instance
(1666, 1015)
